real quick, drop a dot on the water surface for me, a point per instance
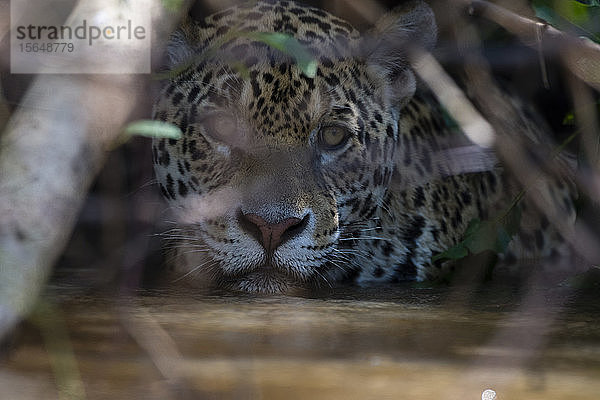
(400, 342)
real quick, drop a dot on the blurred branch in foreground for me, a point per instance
(529, 163)
(51, 150)
(581, 55)
(502, 115)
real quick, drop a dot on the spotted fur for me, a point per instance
(374, 209)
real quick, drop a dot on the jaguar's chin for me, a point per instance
(262, 283)
(269, 277)
(266, 279)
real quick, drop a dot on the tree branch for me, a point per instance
(581, 55)
(52, 149)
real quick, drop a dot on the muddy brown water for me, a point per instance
(399, 343)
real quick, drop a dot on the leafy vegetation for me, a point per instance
(579, 17)
(152, 129)
(494, 235)
(289, 45)
(283, 42)
(173, 5)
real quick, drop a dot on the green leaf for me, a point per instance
(455, 252)
(289, 45)
(571, 15)
(172, 5)
(569, 119)
(152, 129)
(483, 238)
(494, 235)
(573, 11)
(473, 226)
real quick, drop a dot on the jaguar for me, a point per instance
(312, 155)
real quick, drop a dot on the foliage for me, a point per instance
(289, 45)
(493, 235)
(580, 17)
(173, 5)
(480, 236)
(283, 42)
(152, 129)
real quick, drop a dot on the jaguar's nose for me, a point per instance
(271, 235)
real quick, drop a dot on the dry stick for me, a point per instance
(156, 342)
(477, 129)
(512, 149)
(504, 118)
(577, 53)
(581, 55)
(49, 154)
(587, 118)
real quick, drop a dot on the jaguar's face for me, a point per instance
(277, 171)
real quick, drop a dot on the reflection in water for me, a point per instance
(404, 342)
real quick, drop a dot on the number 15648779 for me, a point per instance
(50, 47)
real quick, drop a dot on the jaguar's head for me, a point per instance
(288, 144)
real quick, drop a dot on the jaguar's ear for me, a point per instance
(180, 48)
(386, 47)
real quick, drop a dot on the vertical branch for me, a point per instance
(515, 151)
(587, 119)
(49, 154)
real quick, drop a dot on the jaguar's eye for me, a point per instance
(333, 137)
(221, 127)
